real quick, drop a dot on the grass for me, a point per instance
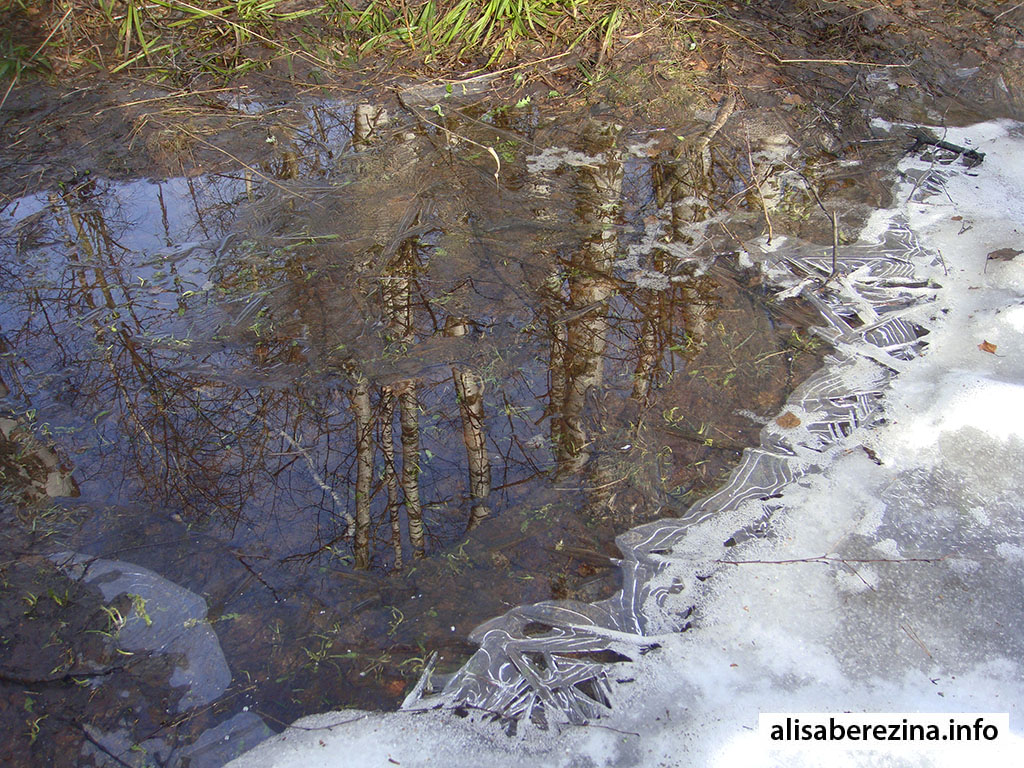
(179, 39)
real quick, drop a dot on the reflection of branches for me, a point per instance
(185, 438)
(338, 503)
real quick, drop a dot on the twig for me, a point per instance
(779, 60)
(9, 676)
(829, 560)
(1008, 10)
(507, 69)
(263, 176)
(92, 740)
(167, 97)
(338, 503)
(725, 109)
(318, 727)
(833, 217)
(913, 636)
(835, 244)
(450, 132)
(923, 138)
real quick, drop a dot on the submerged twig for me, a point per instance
(833, 560)
(779, 60)
(249, 168)
(725, 110)
(833, 218)
(997, 17)
(449, 132)
(972, 157)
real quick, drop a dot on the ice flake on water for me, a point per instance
(1014, 553)
(979, 514)
(887, 548)
(552, 158)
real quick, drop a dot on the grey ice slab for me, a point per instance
(165, 618)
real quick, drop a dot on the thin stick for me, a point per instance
(1008, 10)
(507, 69)
(779, 60)
(266, 178)
(449, 132)
(178, 95)
(338, 503)
(827, 560)
(833, 217)
(835, 244)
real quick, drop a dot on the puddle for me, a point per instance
(416, 368)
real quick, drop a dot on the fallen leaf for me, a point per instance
(958, 218)
(1004, 254)
(788, 420)
(987, 346)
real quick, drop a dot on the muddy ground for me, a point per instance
(816, 64)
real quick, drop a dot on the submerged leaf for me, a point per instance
(1004, 254)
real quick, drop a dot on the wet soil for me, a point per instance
(239, 326)
(821, 63)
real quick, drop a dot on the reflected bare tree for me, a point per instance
(580, 334)
(469, 389)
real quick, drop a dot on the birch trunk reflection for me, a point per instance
(396, 294)
(469, 390)
(388, 476)
(578, 348)
(409, 411)
(360, 399)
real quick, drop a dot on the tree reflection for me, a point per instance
(351, 379)
(579, 337)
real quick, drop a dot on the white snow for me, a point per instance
(909, 594)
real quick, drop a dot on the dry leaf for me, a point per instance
(987, 346)
(788, 420)
(1004, 254)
